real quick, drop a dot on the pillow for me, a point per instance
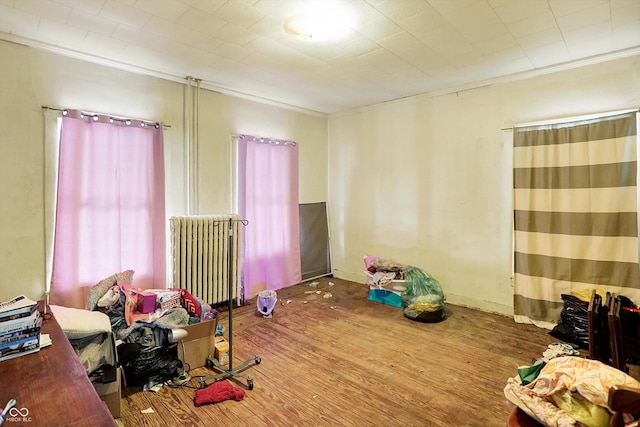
(78, 323)
(189, 302)
(97, 291)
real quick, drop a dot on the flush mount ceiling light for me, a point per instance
(321, 20)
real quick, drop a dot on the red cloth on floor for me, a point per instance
(218, 392)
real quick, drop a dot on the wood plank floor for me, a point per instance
(346, 361)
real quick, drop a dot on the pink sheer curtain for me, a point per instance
(268, 199)
(110, 214)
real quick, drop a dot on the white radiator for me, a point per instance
(205, 251)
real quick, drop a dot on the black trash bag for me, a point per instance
(128, 352)
(573, 326)
(155, 364)
(630, 325)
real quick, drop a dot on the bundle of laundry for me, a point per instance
(569, 391)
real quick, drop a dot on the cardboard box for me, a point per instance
(222, 351)
(198, 344)
(110, 393)
(390, 293)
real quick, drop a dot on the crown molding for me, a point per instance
(212, 86)
(161, 74)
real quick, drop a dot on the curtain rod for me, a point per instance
(265, 140)
(111, 116)
(572, 119)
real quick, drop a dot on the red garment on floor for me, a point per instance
(218, 392)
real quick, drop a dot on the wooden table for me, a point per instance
(52, 387)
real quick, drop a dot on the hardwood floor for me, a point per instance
(347, 361)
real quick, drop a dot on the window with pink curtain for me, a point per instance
(268, 199)
(110, 213)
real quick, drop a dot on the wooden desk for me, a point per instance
(52, 386)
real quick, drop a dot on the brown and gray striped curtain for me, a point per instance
(575, 213)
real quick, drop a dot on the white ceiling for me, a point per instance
(397, 48)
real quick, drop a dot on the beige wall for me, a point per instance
(32, 78)
(222, 115)
(426, 181)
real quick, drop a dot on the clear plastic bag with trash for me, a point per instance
(423, 298)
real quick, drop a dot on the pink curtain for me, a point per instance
(268, 199)
(110, 214)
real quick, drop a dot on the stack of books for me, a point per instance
(20, 324)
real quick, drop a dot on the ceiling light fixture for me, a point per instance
(322, 20)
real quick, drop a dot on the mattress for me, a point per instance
(90, 335)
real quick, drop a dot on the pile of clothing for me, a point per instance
(121, 301)
(143, 334)
(565, 390)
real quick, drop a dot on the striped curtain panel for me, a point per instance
(575, 213)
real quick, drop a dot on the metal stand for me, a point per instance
(212, 362)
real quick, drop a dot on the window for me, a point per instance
(267, 185)
(109, 205)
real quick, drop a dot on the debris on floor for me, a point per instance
(560, 349)
(152, 386)
(311, 295)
